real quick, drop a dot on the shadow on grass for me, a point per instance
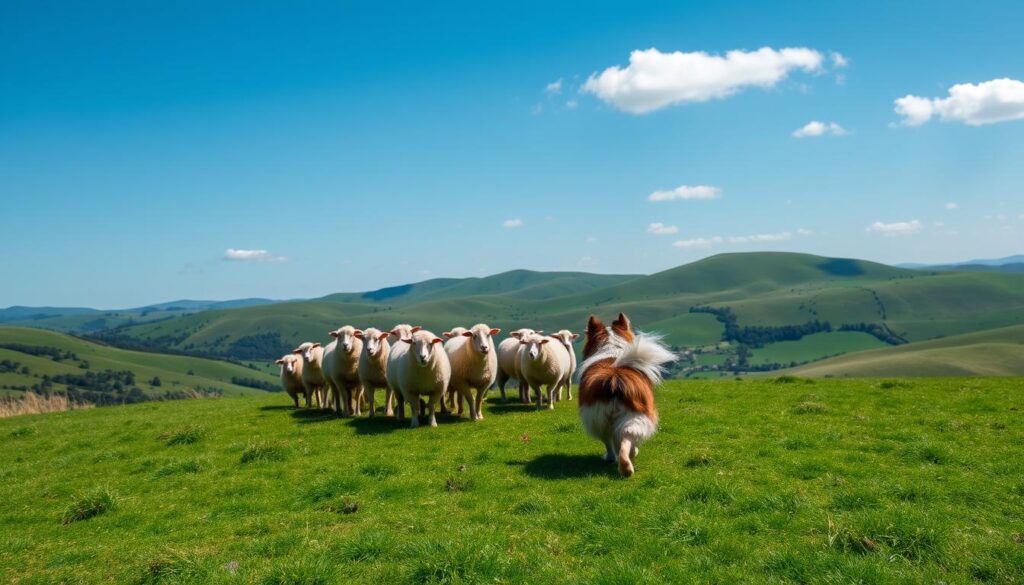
(510, 407)
(313, 415)
(278, 407)
(559, 466)
(377, 425)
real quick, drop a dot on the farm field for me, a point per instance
(995, 352)
(814, 347)
(752, 481)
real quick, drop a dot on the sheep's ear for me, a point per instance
(516, 334)
(358, 334)
(383, 336)
(436, 340)
(408, 340)
(296, 351)
(332, 333)
(545, 340)
(417, 328)
(539, 331)
(315, 345)
(467, 334)
(575, 336)
(448, 334)
(495, 331)
(280, 361)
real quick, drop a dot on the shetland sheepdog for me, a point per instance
(617, 379)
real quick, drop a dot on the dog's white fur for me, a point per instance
(646, 354)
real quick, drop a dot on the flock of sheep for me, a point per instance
(425, 371)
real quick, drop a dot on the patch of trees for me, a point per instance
(759, 335)
(254, 383)
(53, 353)
(882, 332)
(10, 366)
(259, 346)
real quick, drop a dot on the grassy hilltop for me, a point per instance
(859, 481)
(34, 355)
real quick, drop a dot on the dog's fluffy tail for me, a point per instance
(648, 355)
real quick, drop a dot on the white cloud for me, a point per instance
(571, 104)
(512, 223)
(899, 228)
(697, 242)
(759, 238)
(686, 192)
(939, 224)
(997, 100)
(586, 262)
(235, 254)
(839, 61)
(654, 80)
(804, 232)
(659, 229)
(816, 128)
(951, 206)
(554, 88)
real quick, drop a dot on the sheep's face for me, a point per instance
(522, 334)
(306, 350)
(373, 340)
(346, 337)
(480, 337)
(566, 337)
(455, 332)
(404, 331)
(533, 343)
(423, 347)
(287, 363)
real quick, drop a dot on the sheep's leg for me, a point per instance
(553, 391)
(480, 393)
(339, 407)
(502, 380)
(295, 399)
(308, 395)
(389, 398)
(466, 395)
(358, 393)
(568, 388)
(414, 411)
(370, 390)
(625, 449)
(432, 406)
(400, 399)
(539, 393)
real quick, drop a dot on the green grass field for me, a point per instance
(995, 352)
(814, 347)
(172, 370)
(828, 481)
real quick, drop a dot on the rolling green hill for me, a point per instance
(31, 357)
(762, 289)
(995, 352)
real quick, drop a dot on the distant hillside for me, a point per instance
(996, 352)
(85, 320)
(47, 361)
(785, 295)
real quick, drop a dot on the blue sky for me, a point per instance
(371, 145)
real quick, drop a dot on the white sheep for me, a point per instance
(341, 370)
(566, 337)
(543, 363)
(399, 332)
(455, 336)
(291, 378)
(312, 370)
(423, 370)
(509, 351)
(372, 368)
(474, 366)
